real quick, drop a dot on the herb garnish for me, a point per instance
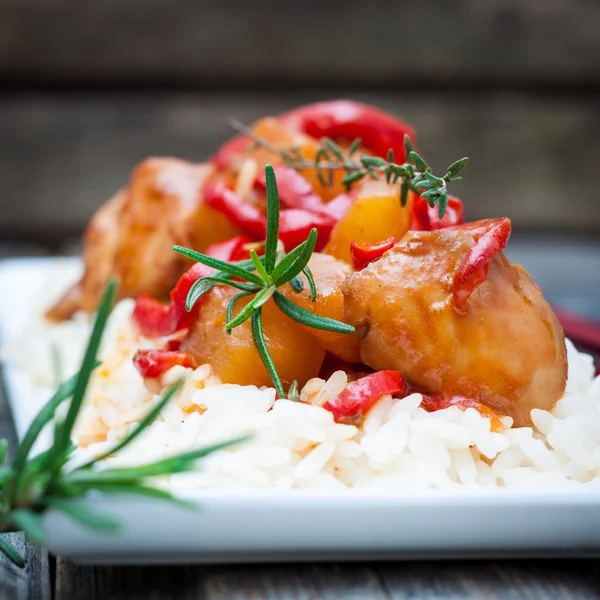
(262, 276)
(31, 486)
(416, 175)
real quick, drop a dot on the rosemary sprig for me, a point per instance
(29, 486)
(415, 174)
(263, 277)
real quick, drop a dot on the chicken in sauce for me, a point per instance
(505, 349)
(435, 302)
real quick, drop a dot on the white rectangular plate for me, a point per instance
(300, 525)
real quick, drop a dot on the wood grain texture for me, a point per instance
(534, 158)
(32, 582)
(391, 41)
(531, 580)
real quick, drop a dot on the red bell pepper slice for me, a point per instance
(154, 363)
(425, 217)
(346, 119)
(491, 236)
(295, 191)
(364, 254)
(360, 395)
(156, 319)
(294, 223)
(249, 218)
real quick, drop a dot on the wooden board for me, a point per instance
(399, 43)
(32, 582)
(500, 580)
(534, 158)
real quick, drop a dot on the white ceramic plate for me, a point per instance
(300, 525)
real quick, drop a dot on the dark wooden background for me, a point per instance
(89, 88)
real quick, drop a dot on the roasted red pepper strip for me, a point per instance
(367, 253)
(218, 196)
(491, 236)
(346, 119)
(295, 191)
(154, 363)
(360, 395)
(435, 402)
(425, 218)
(294, 223)
(155, 319)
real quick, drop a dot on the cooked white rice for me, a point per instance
(399, 446)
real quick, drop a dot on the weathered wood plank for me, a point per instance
(391, 41)
(292, 582)
(29, 583)
(503, 580)
(533, 158)
(32, 582)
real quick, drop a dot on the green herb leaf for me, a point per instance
(3, 450)
(351, 178)
(408, 146)
(272, 219)
(263, 351)
(63, 433)
(354, 146)
(305, 317)
(333, 148)
(418, 161)
(457, 166)
(372, 161)
(41, 420)
(231, 306)
(262, 271)
(204, 285)
(145, 422)
(404, 193)
(30, 523)
(437, 181)
(293, 392)
(84, 515)
(311, 282)
(296, 283)
(300, 263)
(229, 268)
(11, 552)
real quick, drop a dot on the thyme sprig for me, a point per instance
(262, 276)
(29, 486)
(330, 157)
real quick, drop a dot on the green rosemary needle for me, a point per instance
(415, 174)
(261, 279)
(29, 486)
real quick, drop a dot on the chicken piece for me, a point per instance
(234, 357)
(506, 350)
(132, 236)
(99, 245)
(328, 274)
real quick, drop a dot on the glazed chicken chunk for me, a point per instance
(500, 344)
(132, 235)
